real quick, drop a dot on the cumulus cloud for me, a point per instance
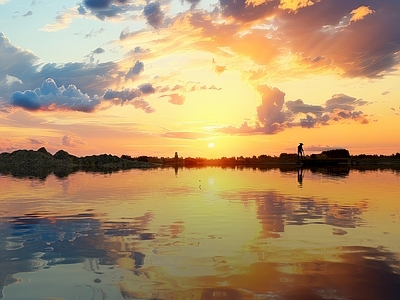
(51, 97)
(153, 14)
(26, 72)
(275, 115)
(270, 112)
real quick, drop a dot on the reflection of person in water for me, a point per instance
(300, 176)
(300, 150)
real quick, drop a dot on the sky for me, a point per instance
(204, 78)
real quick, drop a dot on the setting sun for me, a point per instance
(211, 145)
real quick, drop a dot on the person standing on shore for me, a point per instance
(300, 150)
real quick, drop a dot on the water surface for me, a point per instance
(208, 233)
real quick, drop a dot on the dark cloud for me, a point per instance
(98, 50)
(97, 3)
(135, 70)
(299, 106)
(132, 96)
(361, 38)
(343, 102)
(365, 46)
(153, 14)
(147, 88)
(104, 9)
(193, 3)
(245, 11)
(125, 95)
(129, 94)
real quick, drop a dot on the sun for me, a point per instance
(211, 145)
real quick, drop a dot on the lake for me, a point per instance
(202, 233)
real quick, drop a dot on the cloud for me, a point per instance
(246, 11)
(22, 70)
(153, 14)
(295, 5)
(144, 105)
(29, 13)
(176, 99)
(94, 33)
(360, 39)
(62, 20)
(135, 70)
(360, 13)
(219, 69)
(51, 97)
(129, 94)
(270, 113)
(98, 50)
(36, 141)
(97, 3)
(73, 141)
(275, 115)
(193, 3)
(132, 96)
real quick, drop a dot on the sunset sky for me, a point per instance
(204, 78)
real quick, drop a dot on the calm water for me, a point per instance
(208, 233)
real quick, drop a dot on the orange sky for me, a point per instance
(153, 78)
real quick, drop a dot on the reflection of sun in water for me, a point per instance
(211, 145)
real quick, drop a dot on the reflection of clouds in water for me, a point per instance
(356, 273)
(37, 242)
(275, 211)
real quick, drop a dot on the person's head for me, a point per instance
(301, 144)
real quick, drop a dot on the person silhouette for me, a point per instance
(300, 176)
(300, 150)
